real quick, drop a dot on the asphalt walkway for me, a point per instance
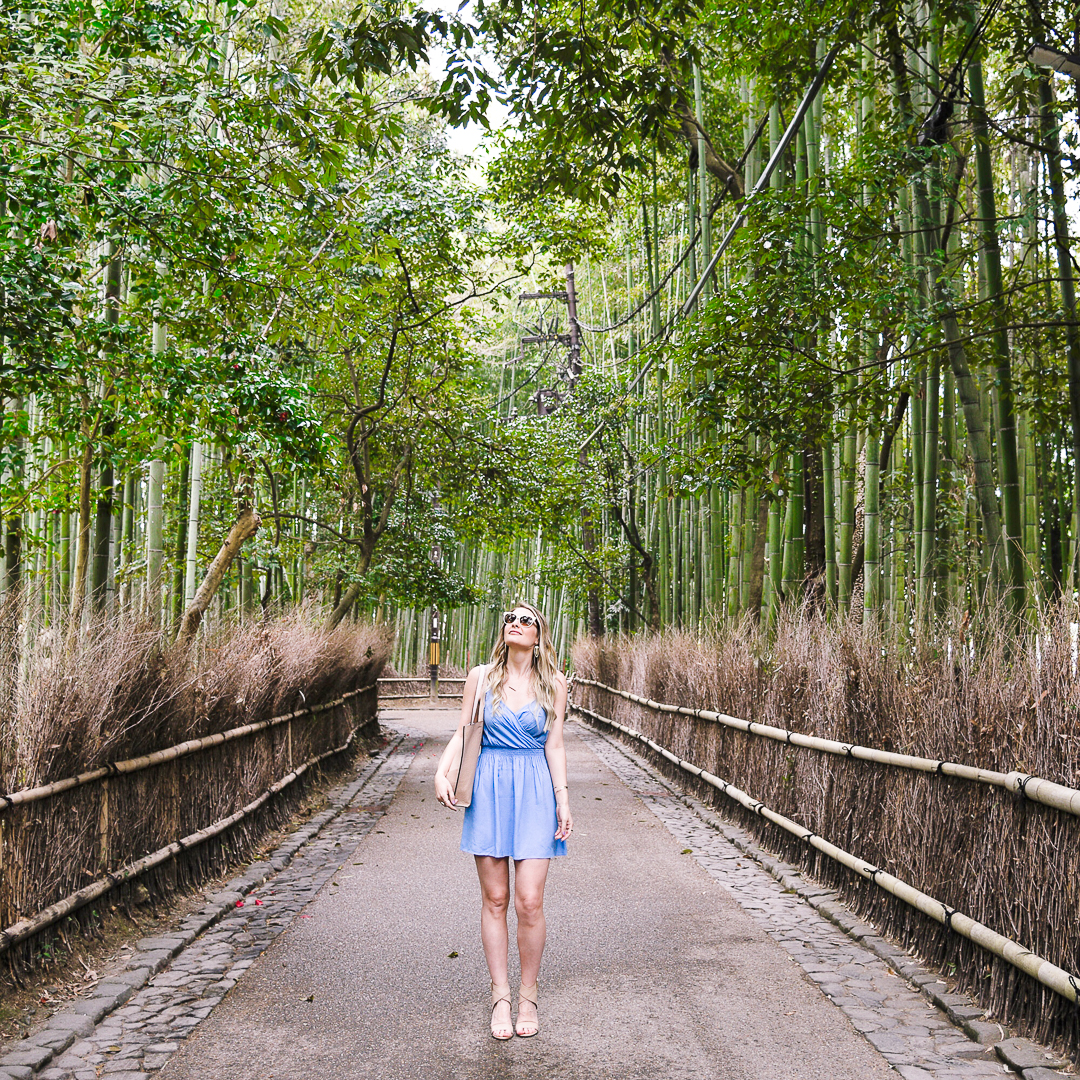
(651, 971)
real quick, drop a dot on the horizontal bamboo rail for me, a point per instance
(417, 697)
(159, 757)
(1030, 787)
(420, 678)
(25, 928)
(1050, 975)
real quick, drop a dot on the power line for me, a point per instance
(763, 179)
(689, 247)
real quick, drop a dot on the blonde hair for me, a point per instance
(544, 666)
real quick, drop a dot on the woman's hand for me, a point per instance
(566, 819)
(444, 792)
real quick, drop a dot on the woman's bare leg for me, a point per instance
(494, 877)
(530, 877)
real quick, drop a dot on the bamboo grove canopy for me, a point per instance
(242, 270)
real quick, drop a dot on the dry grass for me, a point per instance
(998, 703)
(119, 693)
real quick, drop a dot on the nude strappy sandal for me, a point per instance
(500, 994)
(526, 1029)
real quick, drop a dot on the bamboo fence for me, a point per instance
(134, 818)
(965, 846)
(1050, 975)
(1030, 787)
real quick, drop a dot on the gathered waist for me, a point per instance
(511, 750)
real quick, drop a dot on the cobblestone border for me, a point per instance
(53, 1053)
(918, 1047)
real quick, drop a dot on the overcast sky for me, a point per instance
(464, 140)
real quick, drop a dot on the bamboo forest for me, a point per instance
(661, 317)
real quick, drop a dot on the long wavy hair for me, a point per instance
(544, 666)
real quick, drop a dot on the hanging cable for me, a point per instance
(521, 386)
(689, 247)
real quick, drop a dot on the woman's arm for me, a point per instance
(555, 752)
(443, 791)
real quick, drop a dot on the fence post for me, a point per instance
(433, 658)
(103, 826)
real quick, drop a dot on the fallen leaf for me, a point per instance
(452, 955)
(310, 997)
(687, 851)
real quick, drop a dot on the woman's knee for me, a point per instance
(529, 905)
(496, 900)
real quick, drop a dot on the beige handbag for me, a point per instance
(462, 770)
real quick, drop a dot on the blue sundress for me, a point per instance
(512, 812)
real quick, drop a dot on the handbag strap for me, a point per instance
(479, 693)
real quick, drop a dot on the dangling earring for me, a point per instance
(536, 652)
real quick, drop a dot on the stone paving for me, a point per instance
(855, 968)
(174, 982)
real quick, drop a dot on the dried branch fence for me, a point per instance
(972, 864)
(168, 803)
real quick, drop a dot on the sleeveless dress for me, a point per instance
(513, 805)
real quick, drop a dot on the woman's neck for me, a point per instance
(518, 665)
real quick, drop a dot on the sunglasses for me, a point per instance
(509, 618)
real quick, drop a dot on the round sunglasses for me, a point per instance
(509, 618)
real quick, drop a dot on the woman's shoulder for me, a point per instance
(560, 681)
(475, 673)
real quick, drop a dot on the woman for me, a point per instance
(520, 806)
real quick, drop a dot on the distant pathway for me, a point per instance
(361, 958)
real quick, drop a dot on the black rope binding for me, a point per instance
(940, 769)
(949, 913)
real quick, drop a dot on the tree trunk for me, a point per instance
(102, 538)
(928, 522)
(155, 536)
(348, 597)
(194, 500)
(176, 601)
(247, 524)
(756, 583)
(978, 439)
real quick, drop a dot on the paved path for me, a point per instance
(650, 972)
(670, 955)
